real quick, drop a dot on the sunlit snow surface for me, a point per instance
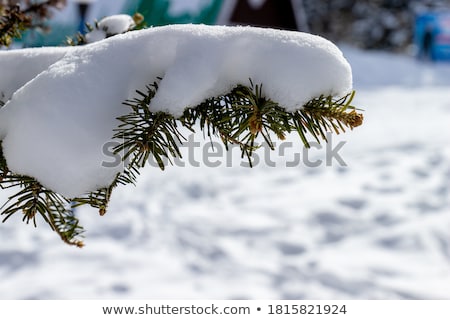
(377, 228)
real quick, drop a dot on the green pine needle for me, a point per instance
(33, 199)
(238, 117)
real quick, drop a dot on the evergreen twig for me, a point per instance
(14, 19)
(32, 199)
(12, 23)
(238, 117)
(145, 133)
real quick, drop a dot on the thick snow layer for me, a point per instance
(378, 228)
(19, 67)
(62, 111)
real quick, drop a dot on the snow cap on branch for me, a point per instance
(110, 26)
(58, 116)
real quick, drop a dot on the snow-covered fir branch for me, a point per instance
(261, 80)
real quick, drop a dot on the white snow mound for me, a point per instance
(109, 26)
(62, 103)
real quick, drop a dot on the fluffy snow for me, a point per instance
(60, 113)
(116, 24)
(376, 229)
(19, 67)
(109, 26)
(95, 35)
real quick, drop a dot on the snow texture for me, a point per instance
(109, 26)
(95, 35)
(378, 228)
(116, 24)
(61, 112)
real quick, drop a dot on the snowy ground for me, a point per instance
(378, 228)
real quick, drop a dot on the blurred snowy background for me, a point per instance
(378, 228)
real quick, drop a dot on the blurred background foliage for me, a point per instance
(368, 24)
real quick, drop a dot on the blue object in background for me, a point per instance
(82, 10)
(432, 36)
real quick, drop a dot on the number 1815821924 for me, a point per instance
(307, 309)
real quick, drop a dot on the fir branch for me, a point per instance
(98, 199)
(325, 114)
(12, 23)
(238, 117)
(14, 20)
(3, 165)
(242, 115)
(32, 199)
(145, 133)
(62, 219)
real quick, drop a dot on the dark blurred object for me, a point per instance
(369, 24)
(83, 7)
(272, 13)
(281, 14)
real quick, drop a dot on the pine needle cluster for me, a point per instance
(12, 23)
(16, 17)
(237, 118)
(32, 199)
